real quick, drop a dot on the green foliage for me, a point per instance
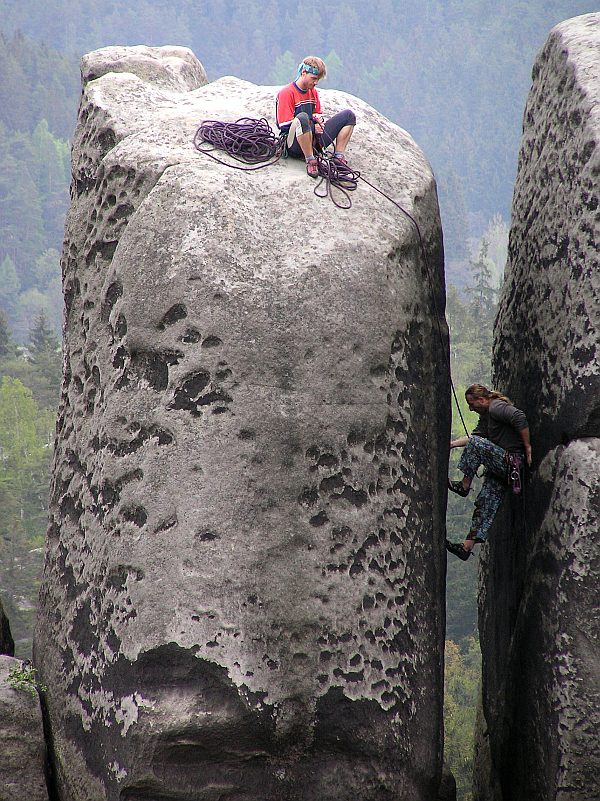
(6, 346)
(454, 215)
(335, 69)
(47, 269)
(284, 70)
(26, 434)
(42, 337)
(9, 285)
(38, 96)
(470, 318)
(462, 674)
(496, 238)
(471, 315)
(20, 209)
(33, 200)
(36, 82)
(23, 678)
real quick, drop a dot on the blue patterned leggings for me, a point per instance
(480, 451)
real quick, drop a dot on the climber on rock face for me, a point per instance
(499, 442)
(298, 113)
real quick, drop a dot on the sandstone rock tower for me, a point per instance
(243, 589)
(540, 598)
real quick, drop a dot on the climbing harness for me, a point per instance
(252, 142)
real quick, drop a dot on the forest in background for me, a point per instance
(454, 74)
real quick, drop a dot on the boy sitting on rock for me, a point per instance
(298, 113)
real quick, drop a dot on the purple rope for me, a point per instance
(338, 176)
(246, 140)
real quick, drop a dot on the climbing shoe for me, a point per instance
(312, 168)
(340, 159)
(457, 487)
(458, 550)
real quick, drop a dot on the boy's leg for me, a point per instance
(300, 137)
(342, 139)
(338, 129)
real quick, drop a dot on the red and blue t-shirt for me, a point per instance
(291, 101)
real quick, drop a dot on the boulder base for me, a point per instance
(22, 746)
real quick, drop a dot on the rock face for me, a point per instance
(243, 589)
(22, 746)
(539, 605)
(7, 644)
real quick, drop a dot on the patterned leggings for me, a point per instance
(480, 451)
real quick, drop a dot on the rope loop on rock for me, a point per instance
(335, 175)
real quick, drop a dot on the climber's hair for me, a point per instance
(480, 391)
(318, 63)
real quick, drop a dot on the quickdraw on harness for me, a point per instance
(514, 472)
(252, 142)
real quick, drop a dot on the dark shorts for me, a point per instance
(331, 129)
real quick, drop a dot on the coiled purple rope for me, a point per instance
(246, 140)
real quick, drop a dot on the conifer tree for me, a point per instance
(284, 69)
(46, 362)
(42, 338)
(482, 292)
(9, 285)
(21, 226)
(6, 347)
(25, 449)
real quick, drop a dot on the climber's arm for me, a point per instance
(524, 434)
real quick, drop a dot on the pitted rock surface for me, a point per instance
(170, 68)
(22, 746)
(539, 600)
(549, 313)
(243, 589)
